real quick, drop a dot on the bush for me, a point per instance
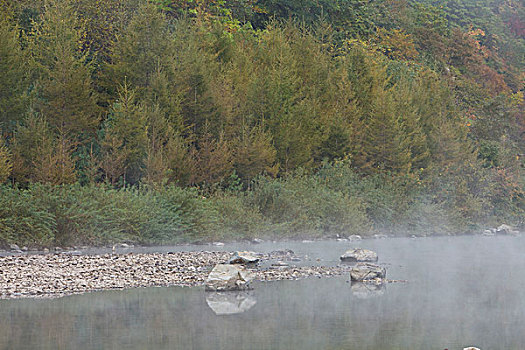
(302, 204)
(199, 216)
(238, 217)
(385, 198)
(22, 220)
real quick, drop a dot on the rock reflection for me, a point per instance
(230, 303)
(367, 290)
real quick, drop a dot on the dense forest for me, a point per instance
(192, 120)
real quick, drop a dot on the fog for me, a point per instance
(461, 291)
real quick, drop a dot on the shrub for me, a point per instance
(302, 204)
(238, 218)
(22, 220)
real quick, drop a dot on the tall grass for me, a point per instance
(332, 201)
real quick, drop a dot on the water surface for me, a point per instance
(461, 291)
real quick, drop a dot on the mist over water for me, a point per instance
(461, 291)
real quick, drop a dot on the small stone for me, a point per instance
(257, 241)
(471, 348)
(58, 249)
(24, 249)
(45, 250)
(14, 247)
(504, 229)
(74, 252)
(244, 258)
(359, 254)
(218, 244)
(354, 238)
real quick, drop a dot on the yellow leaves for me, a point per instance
(516, 98)
(396, 44)
(476, 32)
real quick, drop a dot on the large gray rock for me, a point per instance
(225, 277)
(358, 255)
(244, 258)
(230, 303)
(364, 272)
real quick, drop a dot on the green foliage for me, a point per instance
(301, 204)
(23, 220)
(13, 75)
(238, 218)
(65, 92)
(290, 117)
(5, 162)
(98, 215)
(125, 138)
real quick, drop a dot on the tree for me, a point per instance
(125, 138)
(254, 154)
(214, 160)
(39, 155)
(141, 50)
(13, 74)
(66, 96)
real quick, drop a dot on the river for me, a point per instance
(461, 291)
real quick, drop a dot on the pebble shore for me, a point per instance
(57, 275)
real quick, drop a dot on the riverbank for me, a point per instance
(57, 275)
(333, 202)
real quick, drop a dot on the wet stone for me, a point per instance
(358, 255)
(244, 258)
(225, 277)
(367, 272)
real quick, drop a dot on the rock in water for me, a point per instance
(226, 277)
(230, 303)
(244, 258)
(471, 348)
(359, 254)
(366, 272)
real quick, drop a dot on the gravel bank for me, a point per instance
(56, 275)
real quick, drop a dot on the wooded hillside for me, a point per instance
(233, 97)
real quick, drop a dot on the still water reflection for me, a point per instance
(461, 291)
